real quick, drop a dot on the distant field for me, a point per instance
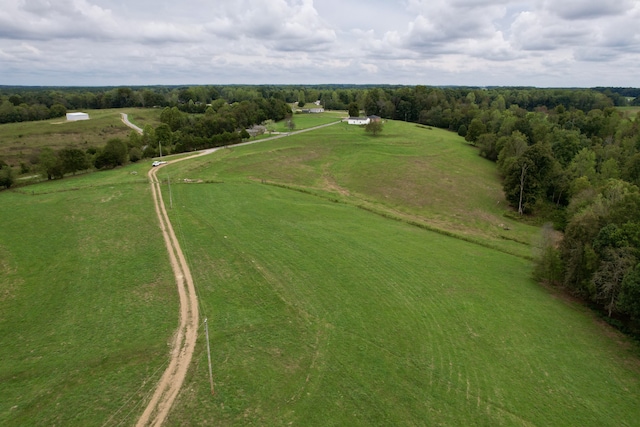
(630, 111)
(20, 141)
(144, 116)
(305, 121)
(87, 301)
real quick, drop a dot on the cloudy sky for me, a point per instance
(546, 43)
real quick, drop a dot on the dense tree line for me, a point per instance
(220, 123)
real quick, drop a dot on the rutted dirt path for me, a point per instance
(184, 340)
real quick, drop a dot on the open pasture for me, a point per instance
(87, 301)
(326, 314)
(631, 112)
(307, 120)
(427, 176)
(330, 299)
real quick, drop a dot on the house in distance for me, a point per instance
(74, 117)
(358, 120)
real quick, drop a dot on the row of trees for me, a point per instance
(221, 124)
(420, 103)
(181, 130)
(11, 113)
(56, 164)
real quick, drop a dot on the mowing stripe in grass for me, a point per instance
(327, 315)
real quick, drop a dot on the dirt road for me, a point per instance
(184, 340)
(125, 119)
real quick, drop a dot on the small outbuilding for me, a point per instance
(74, 117)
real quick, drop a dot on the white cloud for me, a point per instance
(475, 42)
(44, 20)
(586, 9)
(289, 25)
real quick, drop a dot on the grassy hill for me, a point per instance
(325, 313)
(348, 280)
(426, 176)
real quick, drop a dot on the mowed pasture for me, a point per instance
(323, 313)
(307, 120)
(412, 173)
(87, 301)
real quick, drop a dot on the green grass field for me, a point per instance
(305, 121)
(324, 314)
(413, 173)
(335, 292)
(87, 301)
(631, 112)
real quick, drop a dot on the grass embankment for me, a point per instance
(19, 142)
(87, 301)
(325, 314)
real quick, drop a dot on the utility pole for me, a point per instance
(160, 145)
(206, 331)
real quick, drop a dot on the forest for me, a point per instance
(568, 157)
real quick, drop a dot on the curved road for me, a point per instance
(184, 341)
(125, 120)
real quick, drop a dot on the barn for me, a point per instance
(73, 117)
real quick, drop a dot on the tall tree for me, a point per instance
(374, 127)
(354, 109)
(50, 164)
(526, 181)
(73, 160)
(114, 153)
(475, 129)
(6, 176)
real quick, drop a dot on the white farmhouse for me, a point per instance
(358, 120)
(73, 117)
